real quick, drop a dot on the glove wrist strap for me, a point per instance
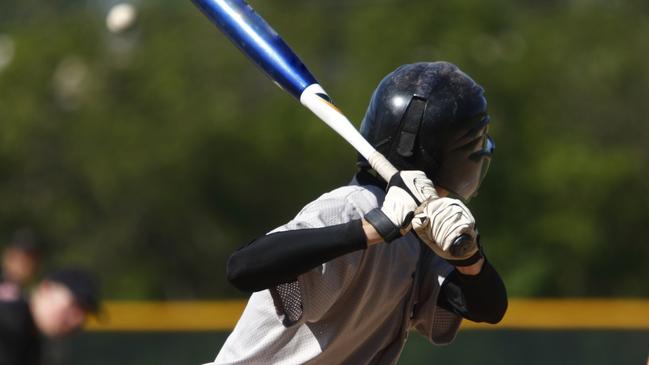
(383, 225)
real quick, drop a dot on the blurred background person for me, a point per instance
(58, 306)
(21, 261)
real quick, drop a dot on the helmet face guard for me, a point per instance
(432, 117)
(464, 169)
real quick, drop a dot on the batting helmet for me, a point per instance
(432, 117)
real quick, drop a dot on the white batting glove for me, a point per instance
(447, 226)
(406, 191)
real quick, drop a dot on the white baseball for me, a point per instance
(121, 17)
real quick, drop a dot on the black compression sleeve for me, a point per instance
(479, 298)
(280, 257)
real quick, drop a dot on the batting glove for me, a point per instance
(448, 228)
(406, 191)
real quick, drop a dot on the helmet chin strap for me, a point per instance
(443, 192)
(448, 193)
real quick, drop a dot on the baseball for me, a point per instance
(121, 17)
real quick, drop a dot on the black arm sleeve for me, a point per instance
(280, 257)
(479, 298)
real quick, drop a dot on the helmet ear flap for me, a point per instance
(410, 125)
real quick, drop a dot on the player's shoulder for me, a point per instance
(340, 205)
(357, 197)
(354, 193)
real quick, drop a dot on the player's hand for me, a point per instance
(447, 226)
(406, 191)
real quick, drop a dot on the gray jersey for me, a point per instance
(355, 309)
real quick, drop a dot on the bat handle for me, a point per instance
(382, 166)
(316, 100)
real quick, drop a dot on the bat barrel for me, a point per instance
(255, 38)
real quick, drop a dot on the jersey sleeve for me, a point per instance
(435, 323)
(314, 292)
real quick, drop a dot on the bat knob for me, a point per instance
(462, 245)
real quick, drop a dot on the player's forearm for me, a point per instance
(479, 298)
(281, 257)
(371, 234)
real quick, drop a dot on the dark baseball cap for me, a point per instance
(83, 285)
(24, 239)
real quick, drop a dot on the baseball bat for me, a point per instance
(265, 48)
(256, 39)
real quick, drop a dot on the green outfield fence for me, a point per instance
(534, 331)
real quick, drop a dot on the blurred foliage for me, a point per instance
(150, 155)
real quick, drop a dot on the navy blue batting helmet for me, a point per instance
(431, 116)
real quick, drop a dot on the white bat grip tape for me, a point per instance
(312, 98)
(382, 166)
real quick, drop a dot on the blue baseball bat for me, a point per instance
(255, 38)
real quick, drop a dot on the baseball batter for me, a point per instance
(358, 268)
